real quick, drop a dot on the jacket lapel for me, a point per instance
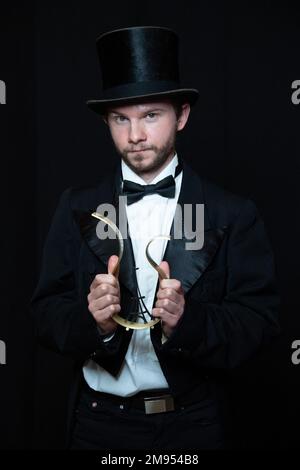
(104, 248)
(188, 265)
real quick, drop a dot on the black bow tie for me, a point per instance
(134, 191)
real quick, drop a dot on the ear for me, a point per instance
(182, 120)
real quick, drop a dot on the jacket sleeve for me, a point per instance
(62, 320)
(224, 334)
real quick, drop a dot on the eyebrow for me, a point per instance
(150, 110)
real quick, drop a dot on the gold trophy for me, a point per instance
(162, 275)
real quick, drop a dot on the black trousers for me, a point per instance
(103, 423)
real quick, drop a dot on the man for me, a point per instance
(211, 307)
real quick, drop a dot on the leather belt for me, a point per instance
(150, 402)
(160, 404)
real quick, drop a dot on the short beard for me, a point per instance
(162, 155)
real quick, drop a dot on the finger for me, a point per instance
(103, 302)
(168, 305)
(106, 313)
(101, 290)
(169, 293)
(171, 283)
(104, 279)
(164, 265)
(112, 265)
(169, 319)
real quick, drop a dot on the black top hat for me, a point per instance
(139, 62)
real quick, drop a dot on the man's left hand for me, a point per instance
(170, 301)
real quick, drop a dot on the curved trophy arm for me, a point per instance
(117, 318)
(161, 273)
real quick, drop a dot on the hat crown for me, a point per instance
(137, 64)
(138, 54)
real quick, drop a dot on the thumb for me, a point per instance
(112, 265)
(164, 265)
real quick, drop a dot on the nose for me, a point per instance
(136, 133)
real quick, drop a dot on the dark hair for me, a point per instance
(177, 104)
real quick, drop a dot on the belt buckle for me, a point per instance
(160, 404)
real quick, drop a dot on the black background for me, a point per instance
(243, 134)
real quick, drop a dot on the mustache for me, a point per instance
(151, 147)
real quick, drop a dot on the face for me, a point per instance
(144, 134)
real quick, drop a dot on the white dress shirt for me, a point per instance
(149, 217)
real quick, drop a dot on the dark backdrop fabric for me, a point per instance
(242, 134)
(18, 223)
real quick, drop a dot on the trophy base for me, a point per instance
(130, 325)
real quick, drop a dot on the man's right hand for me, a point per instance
(104, 298)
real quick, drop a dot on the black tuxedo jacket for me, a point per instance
(230, 291)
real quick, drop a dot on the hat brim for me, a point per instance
(100, 106)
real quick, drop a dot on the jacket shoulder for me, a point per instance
(87, 197)
(223, 206)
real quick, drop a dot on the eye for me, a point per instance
(152, 116)
(119, 119)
